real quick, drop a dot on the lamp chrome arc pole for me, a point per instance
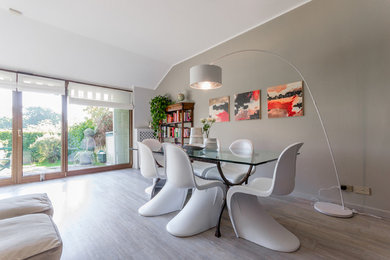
(327, 208)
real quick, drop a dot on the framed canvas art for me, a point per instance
(219, 108)
(247, 105)
(285, 100)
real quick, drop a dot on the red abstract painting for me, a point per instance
(219, 109)
(285, 100)
(247, 105)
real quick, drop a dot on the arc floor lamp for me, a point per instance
(209, 76)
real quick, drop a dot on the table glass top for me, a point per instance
(225, 155)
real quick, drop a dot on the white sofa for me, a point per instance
(27, 229)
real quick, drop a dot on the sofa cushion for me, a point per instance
(29, 237)
(25, 204)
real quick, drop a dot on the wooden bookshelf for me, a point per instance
(176, 128)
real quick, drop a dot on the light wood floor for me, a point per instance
(97, 218)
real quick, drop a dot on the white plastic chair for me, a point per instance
(155, 146)
(200, 168)
(170, 198)
(249, 219)
(148, 166)
(232, 171)
(202, 210)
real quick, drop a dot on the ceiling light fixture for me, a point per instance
(206, 76)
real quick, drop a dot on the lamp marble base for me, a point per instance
(333, 210)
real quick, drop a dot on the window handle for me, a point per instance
(20, 132)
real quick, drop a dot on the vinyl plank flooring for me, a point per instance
(97, 217)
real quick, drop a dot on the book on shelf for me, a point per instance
(175, 117)
(174, 132)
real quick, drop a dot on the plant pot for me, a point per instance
(102, 156)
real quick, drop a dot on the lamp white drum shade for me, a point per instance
(206, 76)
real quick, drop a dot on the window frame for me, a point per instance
(17, 144)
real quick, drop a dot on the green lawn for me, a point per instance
(58, 163)
(48, 164)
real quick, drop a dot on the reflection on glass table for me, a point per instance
(225, 155)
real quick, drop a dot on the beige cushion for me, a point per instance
(29, 237)
(25, 204)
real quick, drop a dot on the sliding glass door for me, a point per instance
(97, 136)
(5, 135)
(42, 133)
(98, 127)
(52, 128)
(8, 133)
(40, 127)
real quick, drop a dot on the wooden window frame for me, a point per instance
(17, 140)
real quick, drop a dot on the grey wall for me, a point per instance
(342, 48)
(141, 111)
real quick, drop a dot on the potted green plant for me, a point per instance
(158, 105)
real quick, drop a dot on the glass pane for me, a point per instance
(41, 133)
(225, 155)
(5, 133)
(97, 136)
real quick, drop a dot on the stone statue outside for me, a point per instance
(87, 157)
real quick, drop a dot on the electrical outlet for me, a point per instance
(347, 188)
(362, 190)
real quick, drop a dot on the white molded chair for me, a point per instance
(232, 171)
(170, 198)
(155, 146)
(200, 168)
(249, 219)
(202, 210)
(148, 167)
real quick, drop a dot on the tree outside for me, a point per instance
(36, 115)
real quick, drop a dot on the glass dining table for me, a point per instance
(225, 155)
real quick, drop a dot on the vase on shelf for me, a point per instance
(210, 144)
(180, 97)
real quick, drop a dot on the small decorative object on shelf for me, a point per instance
(180, 97)
(207, 123)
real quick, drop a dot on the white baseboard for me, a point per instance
(360, 208)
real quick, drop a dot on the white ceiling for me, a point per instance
(167, 31)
